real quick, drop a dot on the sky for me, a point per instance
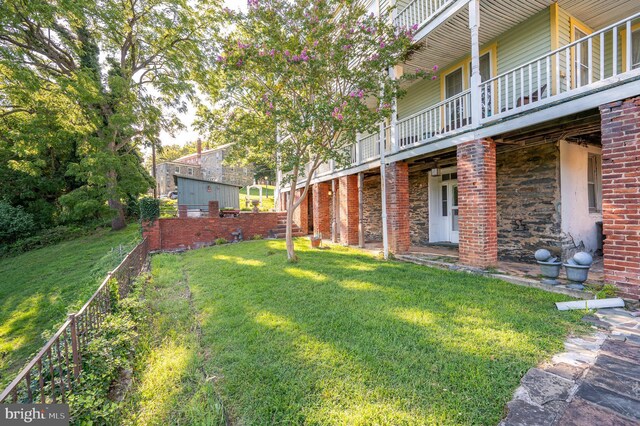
(189, 135)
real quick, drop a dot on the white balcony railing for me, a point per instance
(595, 58)
(444, 117)
(419, 12)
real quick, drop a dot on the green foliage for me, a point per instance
(84, 85)
(40, 287)
(170, 384)
(14, 222)
(315, 71)
(602, 291)
(44, 238)
(257, 237)
(168, 207)
(109, 353)
(149, 209)
(221, 241)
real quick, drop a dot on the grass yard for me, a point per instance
(339, 338)
(40, 287)
(254, 194)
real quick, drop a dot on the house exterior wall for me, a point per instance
(578, 224)
(528, 201)
(213, 168)
(621, 194)
(419, 207)
(372, 208)
(166, 171)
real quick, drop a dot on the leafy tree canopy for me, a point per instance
(83, 85)
(300, 80)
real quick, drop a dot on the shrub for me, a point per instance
(14, 222)
(149, 209)
(221, 241)
(257, 237)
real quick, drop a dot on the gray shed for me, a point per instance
(196, 193)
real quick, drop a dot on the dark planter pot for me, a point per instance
(550, 271)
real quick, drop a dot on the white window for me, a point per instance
(177, 169)
(190, 171)
(594, 183)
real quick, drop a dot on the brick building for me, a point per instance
(207, 165)
(529, 138)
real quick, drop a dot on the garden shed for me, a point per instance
(196, 193)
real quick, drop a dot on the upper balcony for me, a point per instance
(555, 63)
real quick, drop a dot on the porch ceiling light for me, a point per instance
(435, 171)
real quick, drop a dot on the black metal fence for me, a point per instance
(55, 369)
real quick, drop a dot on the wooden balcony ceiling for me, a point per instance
(451, 41)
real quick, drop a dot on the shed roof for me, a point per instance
(176, 177)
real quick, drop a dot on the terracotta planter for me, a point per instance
(315, 242)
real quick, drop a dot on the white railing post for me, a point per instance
(476, 80)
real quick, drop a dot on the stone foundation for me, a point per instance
(419, 207)
(528, 200)
(372, 209)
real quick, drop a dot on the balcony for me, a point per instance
(420, 12)
(596, 61)
(581, 75)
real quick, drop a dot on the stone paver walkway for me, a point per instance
(595, 382)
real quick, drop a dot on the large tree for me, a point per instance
(301, 80)
(102, 74)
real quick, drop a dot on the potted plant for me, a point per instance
(316, 240)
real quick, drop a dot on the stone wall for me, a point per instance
(528, 199)
(419, 207)
(372, 209)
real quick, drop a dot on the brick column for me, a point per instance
(321, 209)
(621, 194)
(301, 214)
(214, 209)
(348, 216)
(477, 203)
(397, 186)
(182, 211)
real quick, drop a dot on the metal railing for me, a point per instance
(444, 117)
(54, 371)
(601, 55)
(419, 12)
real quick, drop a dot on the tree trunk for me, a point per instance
(118, 222)
(291, 254)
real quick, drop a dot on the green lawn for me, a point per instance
(40, 287)
(340, 338)
(267, 197)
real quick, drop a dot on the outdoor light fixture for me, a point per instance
(435, 171)
(330, 193)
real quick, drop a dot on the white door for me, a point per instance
(443, 207)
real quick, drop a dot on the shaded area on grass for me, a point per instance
(39, 288)
(343, 338)
(171, 384)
